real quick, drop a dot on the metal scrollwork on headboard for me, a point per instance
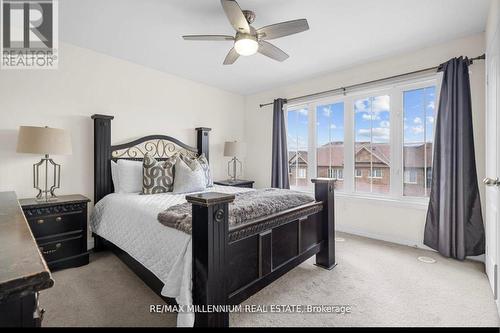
(159, 147)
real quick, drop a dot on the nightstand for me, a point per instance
(236, 183)
(60, 229)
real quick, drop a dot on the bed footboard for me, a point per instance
(231, 265)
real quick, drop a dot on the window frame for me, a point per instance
(395, 91)
(372, 171)
(409, 182)
(299, 173)
(436, 81)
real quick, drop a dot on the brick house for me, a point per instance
(372, 167)
(298, 168)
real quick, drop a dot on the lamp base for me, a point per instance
(46, 199)
(46, 194)
(233, 176)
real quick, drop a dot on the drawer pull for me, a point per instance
(58, 246)
(41, 221)
(58, 219)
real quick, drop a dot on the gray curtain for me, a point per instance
(454, 224)
(279, 176)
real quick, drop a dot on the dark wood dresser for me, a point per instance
(60, 229)
(23, 271)
(236, 183)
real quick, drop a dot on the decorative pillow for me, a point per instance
(203, 163)
(129, 176)
(188, 179)
(158, 176)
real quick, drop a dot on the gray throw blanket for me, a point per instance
(245, 208)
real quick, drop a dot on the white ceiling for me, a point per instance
(342, 33)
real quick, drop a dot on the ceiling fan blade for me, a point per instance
(271, 51)
(235, 16)
(282, 29)
(231, 57)
(208, 37)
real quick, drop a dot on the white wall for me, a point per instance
(493, 20)
(384, 220)
(143, 101)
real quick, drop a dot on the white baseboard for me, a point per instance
(382, 237)
(395, 240)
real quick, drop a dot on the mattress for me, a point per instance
(130, 222)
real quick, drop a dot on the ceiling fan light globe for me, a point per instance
(246, 46)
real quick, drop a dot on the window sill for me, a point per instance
(414, 203)
(401, 202)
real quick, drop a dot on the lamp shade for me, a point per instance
(43, 140)
(234, 148)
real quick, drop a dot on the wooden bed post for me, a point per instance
(102, 156)
(324, 191)
(210, 242)
(202, 140)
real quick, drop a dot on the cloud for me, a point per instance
(431, 105)
(381, 104)
(372, 107)
(377, 133)
(385, 124)
(327, 111)
(417, 120)
(303, 112)
(362, 105)
(430, 119)
(417, 129)
(333, 126)
(368, 116)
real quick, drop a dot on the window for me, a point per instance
(410, 177)
(372, 151)
(337, 174)
(429, 180)
(377, 173)
(330, 142)
(302, 174)
(418, 130)
(374, 143)
(298, 143)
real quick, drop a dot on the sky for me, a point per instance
(419, 116)
(371, 120)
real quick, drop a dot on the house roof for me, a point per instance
(334, 152)
(302, 156)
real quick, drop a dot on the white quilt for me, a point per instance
(130, 222)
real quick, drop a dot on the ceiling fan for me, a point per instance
(249, 40)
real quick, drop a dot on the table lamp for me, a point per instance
(44, 141)
(234, 149)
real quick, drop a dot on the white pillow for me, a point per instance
(188, 180)
(129, 176)
(114, 176)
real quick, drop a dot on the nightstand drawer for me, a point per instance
(55, 249)
(60, 229)
(246, 185)
(56, 224)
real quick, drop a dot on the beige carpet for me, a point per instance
(383, 283)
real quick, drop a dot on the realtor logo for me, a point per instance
(29, 38)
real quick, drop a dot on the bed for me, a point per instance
(215, 265)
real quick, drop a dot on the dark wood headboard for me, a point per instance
(160, 146)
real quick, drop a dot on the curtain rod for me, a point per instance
(343, 90)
